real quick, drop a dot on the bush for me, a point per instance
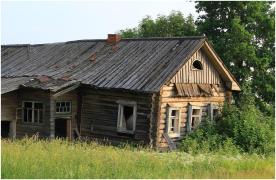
(243, 129)
(248, 128)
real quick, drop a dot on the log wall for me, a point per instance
(29, 129)
(100, 110)
(187, 74)
(8, 106)
(168, 99)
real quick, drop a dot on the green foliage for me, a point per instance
(243, 34)
(173, 25)
(42, 159)
(249, 129)
(206, 139)
(243, 129)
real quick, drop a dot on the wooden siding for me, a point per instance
(100, 111)
(168, 99)
(208, 75)
(8, 106)
(29, 129)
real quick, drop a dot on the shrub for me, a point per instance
(243, 129)
(249, 129)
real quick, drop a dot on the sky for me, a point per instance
(32, 22)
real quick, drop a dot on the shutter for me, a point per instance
(210, 111)
(119, 116)
(134, 116)
(168, 119)
(179, 120)
(189, 120)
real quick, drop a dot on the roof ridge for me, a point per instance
(102, 40)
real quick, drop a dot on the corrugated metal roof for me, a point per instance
(132, 64)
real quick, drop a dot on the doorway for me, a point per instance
(62, 128)
(5, 129)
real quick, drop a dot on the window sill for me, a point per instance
(63, 112)
(174, 135)
(125, 131)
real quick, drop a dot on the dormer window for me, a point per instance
(197, 65)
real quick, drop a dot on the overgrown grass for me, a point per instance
(30, 158)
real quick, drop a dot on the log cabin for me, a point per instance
(151, 91)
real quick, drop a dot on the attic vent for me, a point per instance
(197, 65)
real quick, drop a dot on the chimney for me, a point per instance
(113, 38)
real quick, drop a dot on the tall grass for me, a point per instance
(30, 158)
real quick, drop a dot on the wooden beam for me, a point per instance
(52, 116)
(66, 90)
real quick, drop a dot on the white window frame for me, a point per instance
(212, 107)
(176, 132)
(60, 101)
(33, 112)
(190, 116)
(121, 104)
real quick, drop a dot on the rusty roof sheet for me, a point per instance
(132, 64)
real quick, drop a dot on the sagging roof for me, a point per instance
(11, 84)
(41, 82)
(133, 64)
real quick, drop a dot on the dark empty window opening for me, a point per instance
(197, 65)
(126, 117)
(5, 129)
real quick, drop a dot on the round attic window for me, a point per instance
(197, 65)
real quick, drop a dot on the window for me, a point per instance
(194, 117)
(173, 122)
(63, 106)
(213, 111)
(197, 65)
(32, 112)
(126, 121)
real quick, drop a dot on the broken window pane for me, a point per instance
(35, 115)
(28, 104)
(29, 115)
(40, 116)
(196, 111)
(38, 105)
(173, 113)
(128, 117)
(195, 122)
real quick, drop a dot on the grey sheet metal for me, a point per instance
(133, 64)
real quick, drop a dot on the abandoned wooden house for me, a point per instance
(149, 90)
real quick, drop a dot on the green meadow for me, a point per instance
(29, 158)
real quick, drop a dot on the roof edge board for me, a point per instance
(221, 67)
